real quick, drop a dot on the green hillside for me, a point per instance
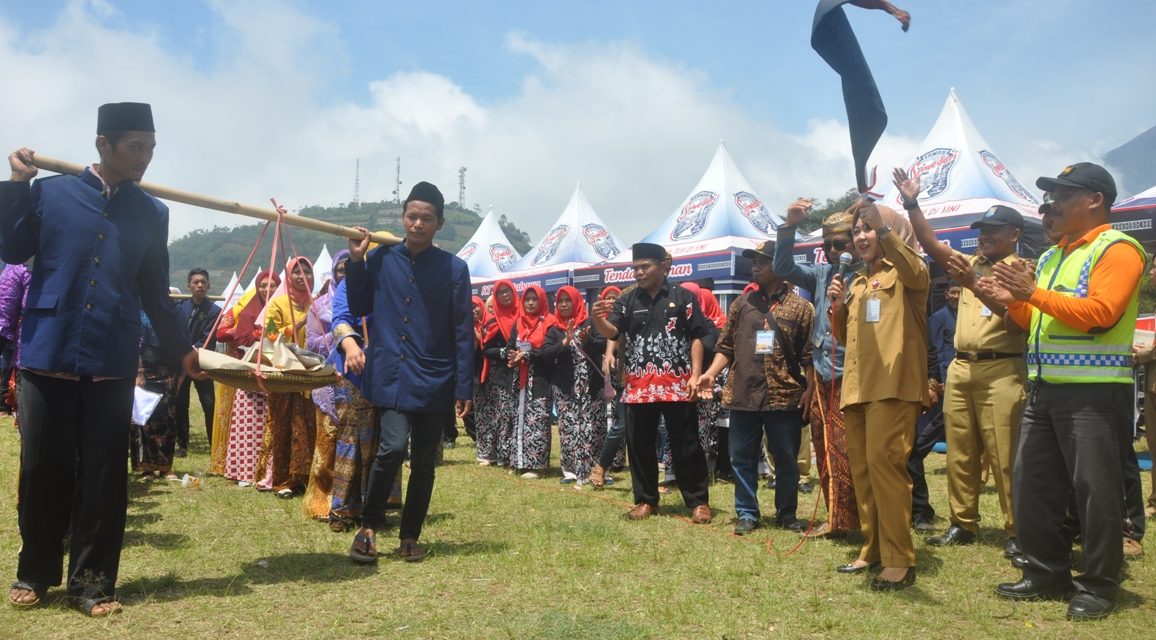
(222, 250)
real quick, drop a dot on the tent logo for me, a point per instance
(933, 169)
(550, 244)
(692, 219)
(503, 256)
(467, 251)
(600, 239)
(755, 212)
(1001, 172)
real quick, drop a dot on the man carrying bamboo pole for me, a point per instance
(100, 245)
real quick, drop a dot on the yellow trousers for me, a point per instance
(880, 435)
(982, 405)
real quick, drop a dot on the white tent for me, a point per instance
(723, 211)
(322, 268)
(1144, 200)
(960, 174)
(489, 253)
(577, 239)
(237, 293)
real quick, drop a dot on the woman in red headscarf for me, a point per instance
(495, 416)
(531, 358)
(244, 417)
(481, 317)
(709, 411)
(579, 386)
(287, 454)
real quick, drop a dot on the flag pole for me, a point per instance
(227, 206)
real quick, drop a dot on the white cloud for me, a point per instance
(260, 121)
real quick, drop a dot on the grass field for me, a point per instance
(514, 558)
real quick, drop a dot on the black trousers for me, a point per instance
(929, 429)
(1134, 515)
(73, 469)
(1069, 447)
(395, 428)
(689, 460)
(208, 402)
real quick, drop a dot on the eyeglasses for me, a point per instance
(837, 245)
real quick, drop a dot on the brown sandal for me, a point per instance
(597, 476)
(411, 551)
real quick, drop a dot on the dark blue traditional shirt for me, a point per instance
(421, 344)
(199, 319)
(99, 260)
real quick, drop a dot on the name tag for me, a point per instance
(765, 342)
(524, 346)
(873, 307)
(984, 312)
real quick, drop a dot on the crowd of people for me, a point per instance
(1027, 371)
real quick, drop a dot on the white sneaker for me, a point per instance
(244, 483)
(530, 475)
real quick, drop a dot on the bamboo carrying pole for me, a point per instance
(197, 200)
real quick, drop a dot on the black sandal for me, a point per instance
(367, 543)
(411, 551)
(25, 586)
(88, 606)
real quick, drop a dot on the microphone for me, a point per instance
(844, 263)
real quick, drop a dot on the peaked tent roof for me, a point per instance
(577, 239)
(489, 253)
(237, 293)
(722, 211)
(322, 268)
(1144, 200)
(961, 175)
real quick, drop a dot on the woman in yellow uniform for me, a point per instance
(881, 318)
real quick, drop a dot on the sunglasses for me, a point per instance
(837, 245)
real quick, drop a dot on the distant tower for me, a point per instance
(462, 187)
(397, 183)
(357, 186)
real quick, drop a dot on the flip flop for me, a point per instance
(89, 606)
(20, 584)
(363, 557)
(411, 551)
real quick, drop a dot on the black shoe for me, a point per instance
(955, 535)
(852, 569)
(1020, 562)
(745, 526)
(1027, 589)
(805, 487)
(795, 525)
(1088, 606)
(923, 525)
(879, 584)
(1012, 549)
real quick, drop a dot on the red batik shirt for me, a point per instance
(655, 335)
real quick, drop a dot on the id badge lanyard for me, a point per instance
(765, 337)
(874, 304)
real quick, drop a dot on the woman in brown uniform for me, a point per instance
(882, 321)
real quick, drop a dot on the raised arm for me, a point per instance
(909, 189)
(784, 265)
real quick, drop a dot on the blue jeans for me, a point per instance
(784, 434)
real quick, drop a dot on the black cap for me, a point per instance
(1082, 175)
(765, 249)
(1000, 216)
(648, 250)
(426, 192)
(124, 116)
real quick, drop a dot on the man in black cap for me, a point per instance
(660, 329)
(1079, 307)
(984, 388)
(419, 366)
(100, 244)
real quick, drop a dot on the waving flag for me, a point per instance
(833, 39)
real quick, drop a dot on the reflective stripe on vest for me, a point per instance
(1061, 354)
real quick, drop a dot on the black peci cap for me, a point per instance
(124, 116)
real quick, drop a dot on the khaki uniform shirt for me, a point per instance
(980, 331)
(886, 359)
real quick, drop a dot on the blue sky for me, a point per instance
(271, 98)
